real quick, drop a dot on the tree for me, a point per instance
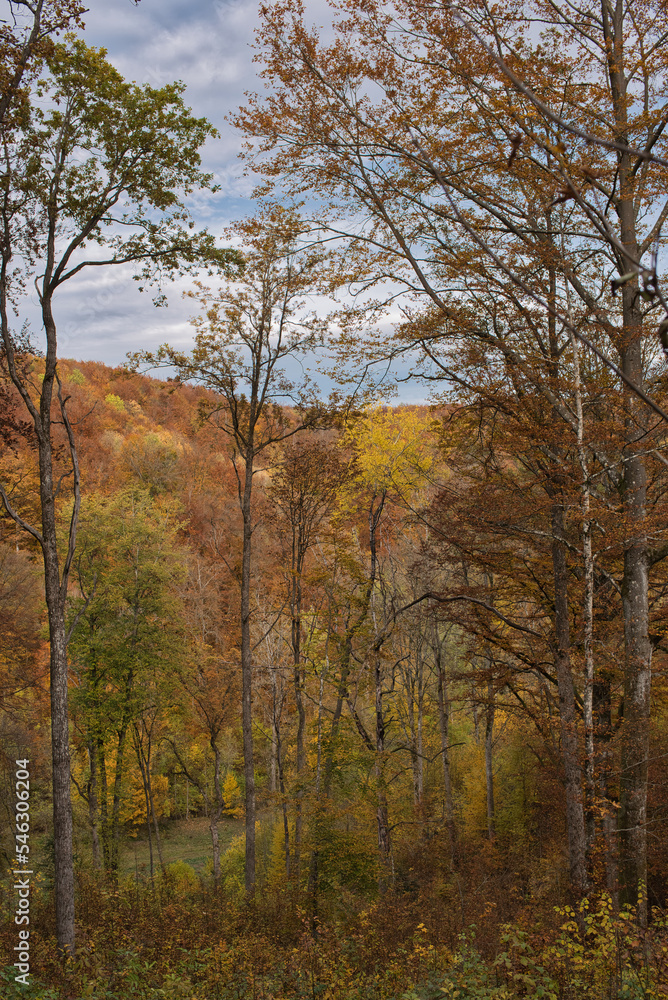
(304, 489)
(443, 176)
(98, 168)
(126, 647)
(245, 340)
(25, 41)
(210, 684)
(393, 458)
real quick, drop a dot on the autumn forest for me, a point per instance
(306, 690)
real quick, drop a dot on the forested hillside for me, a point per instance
(309, 695)
(408, 746)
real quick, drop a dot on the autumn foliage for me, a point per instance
(361, 700)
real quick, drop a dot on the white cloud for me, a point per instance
(207, 44)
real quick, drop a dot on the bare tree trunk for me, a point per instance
(637, 646)
(567, 713)
(247, 678)
(489, 745)
(298, 680)
(273, 783)
(444, 724)
(474, 709)
(103, 804)
(344, 657)
(116, 802)
(217, 811)
(602, 704)
(60, 743)
(144, 760)
(158, 841)
(313, 865)
(411, 735)
(277, 700)
(587, 611)
(56, 574)
(284, 804)
(93, 804)
(413, 683)
(384, 844)
(148, 825)
(420, 725)
(635, 600)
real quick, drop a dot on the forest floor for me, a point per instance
(186, 840)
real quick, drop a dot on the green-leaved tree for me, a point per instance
(94, 173)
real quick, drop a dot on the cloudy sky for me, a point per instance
(100, 314)
(207, 44)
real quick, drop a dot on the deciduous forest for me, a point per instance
(308, 692)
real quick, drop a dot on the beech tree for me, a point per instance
(245, 341)
(93, 174)
(442, 176)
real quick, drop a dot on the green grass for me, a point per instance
(186, 840)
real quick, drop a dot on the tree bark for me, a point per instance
(93, 810)
(116, 802)
(489, 746)
(602, 708)
(217, 811)
(298, 680)
(637, 647)
(567, 714)
(103, 805)
(382, 814)
(637, 662)
(247, 677)
(56, 594)
(444, 725)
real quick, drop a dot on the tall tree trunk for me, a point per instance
(276, 713)
(444, 725)
(116, 801)
(345, 650)
(635, 583)
(217, 810)
(420, 728)
(148, 826)
(298, 679)
(144, 761)
(489, 746)
(273, 782)
(60, 743)
(247, 678)
(637, 659)
(567, 714)
(588, 607)
(93, 811)
(284, 803)
(103, 804)
(384, 844)
(55, 580)
(602, 707)
(158, 841)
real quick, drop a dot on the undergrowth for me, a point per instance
(177, 938)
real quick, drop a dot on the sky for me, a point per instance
(208, 44)
(101, 315)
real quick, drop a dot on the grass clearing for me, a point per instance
(187, 840)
